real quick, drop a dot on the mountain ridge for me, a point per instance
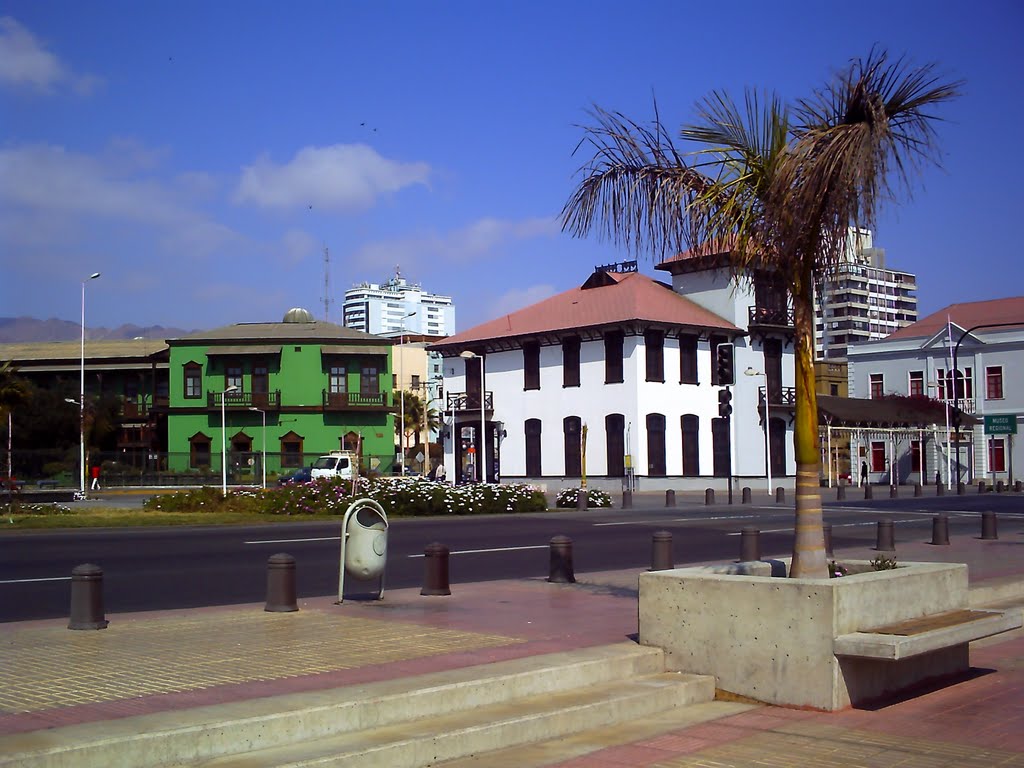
(30, 329)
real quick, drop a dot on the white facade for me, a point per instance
(863, 301)
(396, 307)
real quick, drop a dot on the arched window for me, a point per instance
(615, 443)
(199, 451)
(291, 450)
(655, 445)
(533, 466)
(571, 426)
(691, 445)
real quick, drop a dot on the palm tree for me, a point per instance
(774, 188)
(13, 392)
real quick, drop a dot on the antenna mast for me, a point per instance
(327, 285)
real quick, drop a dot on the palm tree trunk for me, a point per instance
(809, 542)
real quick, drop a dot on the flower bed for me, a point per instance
(567, 497)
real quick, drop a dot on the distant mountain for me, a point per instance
(22, 329)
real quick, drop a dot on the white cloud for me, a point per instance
(512, 301)
(342, 177)
(296, 246)
(25, 62)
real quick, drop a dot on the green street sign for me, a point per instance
(1004, 424)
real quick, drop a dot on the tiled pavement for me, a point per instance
(50, 676)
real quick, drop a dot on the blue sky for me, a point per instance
(201, 155)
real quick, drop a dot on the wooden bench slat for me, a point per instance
(927, 623)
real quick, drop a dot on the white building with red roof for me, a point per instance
(632, 360)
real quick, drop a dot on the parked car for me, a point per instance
(302, 475)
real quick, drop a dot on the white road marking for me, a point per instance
(497, 549)
(292, 541)
(834, 525)
(29, 581)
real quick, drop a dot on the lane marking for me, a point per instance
(677, 520)
(496, 549)
(29, 581)
(834, 526)
(292, 541)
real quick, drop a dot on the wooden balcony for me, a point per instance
(469, 401)
(270, 401)
(782, 397)
(354, 401)
(770, 317)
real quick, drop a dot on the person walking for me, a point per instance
(95, 477)
(863, 473)
(439, 474)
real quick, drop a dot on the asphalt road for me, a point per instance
(162, 568)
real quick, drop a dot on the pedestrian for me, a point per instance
(439, 474)
(95, 477)
(863, 473)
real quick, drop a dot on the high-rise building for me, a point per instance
(862, 300)
(398, 307)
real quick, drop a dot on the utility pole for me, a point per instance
(327, 285)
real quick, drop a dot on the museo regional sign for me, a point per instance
(1003, 424)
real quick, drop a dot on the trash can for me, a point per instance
(364, 544)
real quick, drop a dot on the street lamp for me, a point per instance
(767, 427)
(468, 355)
(81, 391)
(224, 441)
(401, 388)
(263, 458)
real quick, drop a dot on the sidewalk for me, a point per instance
(164, 661)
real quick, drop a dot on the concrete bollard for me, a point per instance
(281, 584)
(961, 489)
(940, 530)
(981, 486)
(884, 541)
(868, 493)
(87, 598)
(435, 570)
(582, 499)
(560, 570)
(894, 491)
(826, 529)
(745, 499)
(840, 493)
(750, 544)
(1000, 486)
(670, 498)
(918, 490)
(627, 499)
(661, 551)
(780, 495)
(1016, 486)
(940, 489)
(988, 526)
(709, 496)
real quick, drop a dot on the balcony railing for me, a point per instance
(965, 404)
(784, 397)
(469, 401)
(779, 317)
(270, 400)
(343, 401)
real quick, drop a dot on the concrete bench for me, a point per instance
(46, 484)
(928, 633)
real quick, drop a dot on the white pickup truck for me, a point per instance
(334, 464)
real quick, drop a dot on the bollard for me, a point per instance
(87, 598)
(560, 570)
(988, 525)
(281, 584)
(981, 486)
(670, 498)
(750, 544)
(885, 542)
(1000, 487)
(840, 493)
(661, 551)
(918, 490)
(940, 529)
(582, 499)
(940, 489)
(435, 570)
(1017, 486)
(961, 489)
(709, 496)
(780, 495)
(894, 491)
(746, 496)
(867, 491)
(826, 529)
(627, 499)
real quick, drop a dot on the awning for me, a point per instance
(354, 349)
(247, 349)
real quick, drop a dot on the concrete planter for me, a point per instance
(775, 639)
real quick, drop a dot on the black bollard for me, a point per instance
(840, 493)
(746, 496)
(961, 489)
(780, 495)
(826, 529)
(582, 499)
(560, 570)
(1000, 487)
(867, 491)
(750, 544)
(627, 499)
(1016, 486)
(87, 598)
(281, 584)
(435, 570)
(709, 496)
(894, 491)
(981, 486)
(885, 542)
(940, 489)
(670, 498)
(940, 529)
(661, 551)
(988, 525)
(918, 490)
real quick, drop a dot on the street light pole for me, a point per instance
(81, 391)
(263, 458)
(224, 441)
(401, 389)
(767, 427)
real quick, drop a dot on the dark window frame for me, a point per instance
(654, 355)
(572, 448)
(571, 346)
(689, 425)
(656, 454)
(531, 365)
(192, 381)
(688, 370)
(534, 465)
(614, 348)
(615, 444)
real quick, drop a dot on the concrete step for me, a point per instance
(427, 741)
(202, 733)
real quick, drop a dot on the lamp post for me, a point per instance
(767, 427)
(401, 388)
(224, 441)
(81, 391)
(468, 355)
(263, 457)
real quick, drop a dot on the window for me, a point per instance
(233, 377)
(369, 380)
(615, 444)
(916, 383)
(193, 381)
(833, 389)
(688, 359)
(964, 384)
(994, 382)
(613, 357)
(915, 455)
(571, 361)
(773, 368)
(291, 450)
(531, 366)
(199, 451)
(779, 442)
(336, 380)
(573, 457)
(720, 449)
(714, 341)
(533, 468)
(414, 382)
(350, 442)
(655, 445)
(691, 445)
(875, 386)
(878, 456)
(997, 454)
(654, 346)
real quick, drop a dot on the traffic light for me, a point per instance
(724, 403)
(724, 365)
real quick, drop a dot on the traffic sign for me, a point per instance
(1002, 424)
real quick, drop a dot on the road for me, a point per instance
(162, 568)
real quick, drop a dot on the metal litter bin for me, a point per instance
(364, 544)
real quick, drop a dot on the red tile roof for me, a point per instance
(965, 316)
(606, 298)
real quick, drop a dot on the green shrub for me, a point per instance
(567, 497)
